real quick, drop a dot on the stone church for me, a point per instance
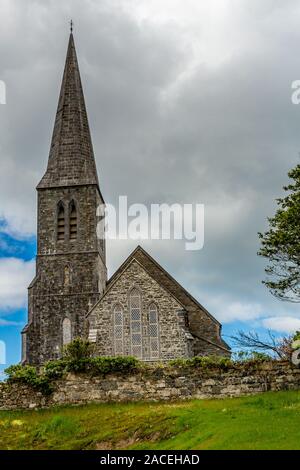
(141, 310)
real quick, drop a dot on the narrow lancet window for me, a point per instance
(73, 221)
(67, 331)
(61, 222)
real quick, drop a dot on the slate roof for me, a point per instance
(71, 159)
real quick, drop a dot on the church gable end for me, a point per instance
(153, 321)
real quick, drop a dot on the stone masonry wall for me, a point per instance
(153, 384)
(53, 296)
(173, 340)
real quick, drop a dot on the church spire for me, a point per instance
(71, 159)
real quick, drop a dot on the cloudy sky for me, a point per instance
(188, 102)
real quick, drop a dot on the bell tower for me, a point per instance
(70, 264)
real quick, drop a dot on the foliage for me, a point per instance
(29, 375)
(76, 358)
(19, 373)
(296, 336)
(251, 356)
(106, 365)
(222, 363)
(55, 369)
(204, 362)
(277, 347)
(281, 244)
(77, 354)
(231, 423)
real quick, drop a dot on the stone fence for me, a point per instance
(154, 384)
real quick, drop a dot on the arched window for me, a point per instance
(24, 349)
(67, 331)
(153, 332)
(61, 222)
(136, 323)
(118, 330)
(73, 221)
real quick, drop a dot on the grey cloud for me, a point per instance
(224, 135)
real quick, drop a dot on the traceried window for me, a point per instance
(73, 221)
(153, 331)
(118, 324)
(67, 331)
(61, 222)
(136, 323)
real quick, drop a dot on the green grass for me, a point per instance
(268, 421)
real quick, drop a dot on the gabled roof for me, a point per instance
(157, 272)
(163, 278)
(71, 159)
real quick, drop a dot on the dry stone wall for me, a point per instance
(155, 384)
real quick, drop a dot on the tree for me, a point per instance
(281, 348)
(281, 244)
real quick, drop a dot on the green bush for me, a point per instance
(55, 369)
(76, 358)
(242, 357)
(76, 355)
(296, 336)
(77, 350)
(203, 362)
(19, 373)
(260, 356)
(29, 375)
(106, 365)
(180, 363)
(211, 362)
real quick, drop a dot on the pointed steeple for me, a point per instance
(71, 159)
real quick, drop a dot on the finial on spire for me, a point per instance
(71, 26)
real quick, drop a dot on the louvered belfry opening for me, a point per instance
(61, 222)
(73, 221)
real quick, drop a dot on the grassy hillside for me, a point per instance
(268, 421)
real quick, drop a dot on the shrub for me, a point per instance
(296, 336)
(204, 362)
(260, 356)
(76, 358)
(29, 375)
(76, 355)
(19, 373)
(211, 362)
(180, 363)
(77, 350)
(55, 369)
(251, 357)
(106, 365)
